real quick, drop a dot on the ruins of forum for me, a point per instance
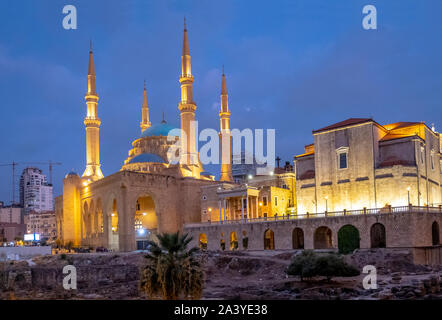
(213, 151)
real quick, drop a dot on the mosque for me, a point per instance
(149, 194)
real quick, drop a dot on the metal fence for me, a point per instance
(288, 217)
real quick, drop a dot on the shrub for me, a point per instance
(303, 265)
(308, 264)
(332, 265)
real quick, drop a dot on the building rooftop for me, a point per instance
(345, 123)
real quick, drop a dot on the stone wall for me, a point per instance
(403, 229)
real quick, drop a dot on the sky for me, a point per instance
(294, 66)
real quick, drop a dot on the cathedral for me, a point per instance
(150, 193)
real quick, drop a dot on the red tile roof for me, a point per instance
(345, 123)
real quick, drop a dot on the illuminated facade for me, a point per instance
(150, 194)
(358, 163)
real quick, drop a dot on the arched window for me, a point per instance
(323, 238)
(348, 239)
(269, 240)
(378, 236)
(435, 234)
(298, 238)
(203, 241)
(233, 241)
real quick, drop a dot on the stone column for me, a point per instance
(242, 209)
(256, 207)
(225, 209)
(247, 207)
(220, 212)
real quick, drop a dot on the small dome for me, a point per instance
(161, 129)
(147, 157)
(71, 174)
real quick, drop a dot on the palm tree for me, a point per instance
(172, 271)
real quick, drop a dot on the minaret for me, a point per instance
(145, 123)
(187, 109)
(225, 135)
(92, 123)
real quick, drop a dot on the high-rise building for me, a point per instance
(35, 191)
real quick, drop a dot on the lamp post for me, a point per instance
(326, 204)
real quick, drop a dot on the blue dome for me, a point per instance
(147, 157)
(71, 174)
(161, 129)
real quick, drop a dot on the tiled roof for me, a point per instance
(392, 136)
(398, 125)
(345, 123)
(304, 154)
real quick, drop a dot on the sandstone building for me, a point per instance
(358, 163)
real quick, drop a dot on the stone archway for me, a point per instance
(233, 241)
(203, 241)
(99, 218)
(323, 238)
(348, 239)
(145, 221)
(269, 240)
(298, 238)
(113, 225)
(378, 236)
(435, 239)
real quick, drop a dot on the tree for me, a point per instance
(172, 271)
(303, 265)
(308, 264)
(332, 265)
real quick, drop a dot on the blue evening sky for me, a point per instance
(293, 65)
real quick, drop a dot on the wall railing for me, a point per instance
(288, 217)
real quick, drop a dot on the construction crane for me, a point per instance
(14, 164)
(51, 165)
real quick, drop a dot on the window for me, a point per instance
(343, 160)
(264, 201)
(276, 201)
(432, 159)
(342, 157)
(422, 155)
(204, 198)
(138, 224)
